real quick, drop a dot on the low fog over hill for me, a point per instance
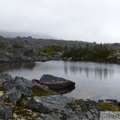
(23, 34)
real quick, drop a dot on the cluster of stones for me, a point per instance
(40, 100)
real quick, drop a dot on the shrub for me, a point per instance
(18, 46)
(2, 45)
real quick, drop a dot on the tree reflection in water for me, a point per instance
(17, 66)
(98, 69)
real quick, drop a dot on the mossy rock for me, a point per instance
(38, 91)
(24, 114)
(73, 103)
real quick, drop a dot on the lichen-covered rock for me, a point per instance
(46, 104)
(56, 83)
(5, 112)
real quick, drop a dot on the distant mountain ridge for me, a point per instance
(30, 42)
(23, 34)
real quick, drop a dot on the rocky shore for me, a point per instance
(22, 99)
(28, 49)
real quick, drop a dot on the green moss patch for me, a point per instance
(38, 91)
(73, 103)
(24, 114)
(107, 106)
(16, 45)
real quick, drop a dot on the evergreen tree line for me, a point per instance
(98, 53)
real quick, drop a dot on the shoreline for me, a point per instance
(59, 59)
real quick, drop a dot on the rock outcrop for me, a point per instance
(77, 110)
(19, 86)
(29, 100)
(56, 83)
(46, 104)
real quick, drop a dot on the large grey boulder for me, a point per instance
(56, 83)
(46, 104)
(5, 112)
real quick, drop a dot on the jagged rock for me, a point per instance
(5, 112)
(15, 94)
(18, 81)
(63, 115)
(12, 96)
(5, 77)
(56, 83)
(21, 86)
(22, 83)
(85, 110)
(46, 104)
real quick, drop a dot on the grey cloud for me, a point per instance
(89, 20)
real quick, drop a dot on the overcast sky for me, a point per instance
(87, 20)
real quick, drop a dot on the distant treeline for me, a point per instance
(98, 53)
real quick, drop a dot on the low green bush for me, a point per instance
(17, 46)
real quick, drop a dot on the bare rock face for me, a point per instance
(56, 83)
(46, 104)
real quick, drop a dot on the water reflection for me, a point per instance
(17, 66)
(99, 70)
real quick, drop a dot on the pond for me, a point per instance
(93, 80)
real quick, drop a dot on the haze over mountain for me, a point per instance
(23, 34)
(86, 20)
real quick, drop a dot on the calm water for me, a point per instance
(93, 80)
